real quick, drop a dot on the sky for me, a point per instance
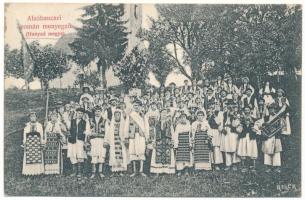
(69, 13)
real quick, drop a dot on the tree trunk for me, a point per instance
(195, 71)
(104, 82)
(101, 68)
(27, 85)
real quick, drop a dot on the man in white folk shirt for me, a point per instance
(79, 131)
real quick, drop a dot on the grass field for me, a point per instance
(208, 184)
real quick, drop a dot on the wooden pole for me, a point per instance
(47, 107)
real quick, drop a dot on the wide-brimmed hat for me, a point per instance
(281, 90)
(80, 110)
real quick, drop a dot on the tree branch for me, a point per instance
(180, 66)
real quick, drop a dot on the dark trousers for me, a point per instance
(147, 162)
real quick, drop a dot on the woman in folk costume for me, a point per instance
(151, 120)
(249, 100)
(33, 143)
(215, 120)
(209, 98)
(116, 140)
(136, 137)
(245, 85)
(229, 138)
(87, 106)
(247, 146)
(201, 139)
(86, 94)
(272, 145)
(79, 131)
(282, 107)
(99, 129)
(220, 83)
(231, 88)
(185, 88)
(267, 92)
(53, 152)
(65, 119)
(183, 145)
(163, 159)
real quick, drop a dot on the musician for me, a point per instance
(229, 138)
(99, 127)
(271, 145)
(247, 145)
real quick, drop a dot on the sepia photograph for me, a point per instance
(152, 100)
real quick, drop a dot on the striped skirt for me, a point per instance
(184, 154)
(202, 156)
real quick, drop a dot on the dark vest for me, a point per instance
(248, 129)
(99, 128)
(77, 131)
(212, 122)
(249, 104)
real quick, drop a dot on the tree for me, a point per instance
(240, 39)
(12, 62)
(102, 37)
(266, 39)
(91, 79)
(160, 63)
(48, 63)
(132, 70)
(187, 28)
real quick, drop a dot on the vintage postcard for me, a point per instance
(152, 100)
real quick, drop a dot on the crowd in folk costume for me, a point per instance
(205, 125)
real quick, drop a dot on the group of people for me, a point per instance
(173, 130)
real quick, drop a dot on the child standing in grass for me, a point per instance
(33, 143)
(99, 128)
(247, 147)
(76, 140)
(53, 153)
(182, 145)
